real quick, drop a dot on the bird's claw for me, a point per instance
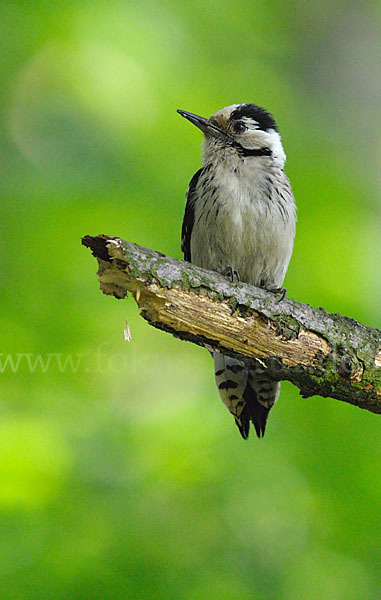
(282, 291)
(229, 272)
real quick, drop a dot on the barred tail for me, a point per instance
(244, 390)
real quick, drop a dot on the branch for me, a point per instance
(321, 353)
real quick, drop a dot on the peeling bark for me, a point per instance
(321, 353)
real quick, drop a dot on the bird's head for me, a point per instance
(243, 131)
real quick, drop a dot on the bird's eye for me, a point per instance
(239, 127)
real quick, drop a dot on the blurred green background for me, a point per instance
(121, 473)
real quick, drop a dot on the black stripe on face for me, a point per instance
(251, 151)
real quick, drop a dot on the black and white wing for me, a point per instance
(188, 220)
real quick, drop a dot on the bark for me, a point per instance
(320, 352)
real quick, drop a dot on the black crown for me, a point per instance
(264, 119)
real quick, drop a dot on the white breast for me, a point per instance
(243, 226)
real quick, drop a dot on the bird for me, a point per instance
(240, 220)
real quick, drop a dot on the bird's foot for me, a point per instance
(229, 272)
(278, 290)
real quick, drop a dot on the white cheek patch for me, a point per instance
(275, 144)
(255, 138)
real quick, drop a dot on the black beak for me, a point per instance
(205, 125)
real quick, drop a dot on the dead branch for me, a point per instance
(321, 353)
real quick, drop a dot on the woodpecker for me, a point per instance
(240, 219)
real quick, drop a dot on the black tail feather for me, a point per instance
(253, 411)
